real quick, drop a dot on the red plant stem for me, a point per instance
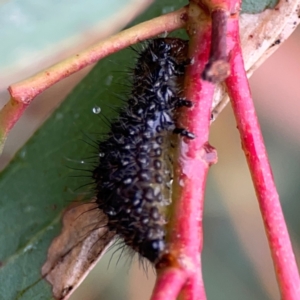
(9, 115)
(185, 232)
(169, 284)
(195, 157)
(255, 151)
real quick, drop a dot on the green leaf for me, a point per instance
(257, 6)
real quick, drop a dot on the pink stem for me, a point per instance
(195, 157)
(254, 148)
(185, 232)
(9, 115)
(169, 284)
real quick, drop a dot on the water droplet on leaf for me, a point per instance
(96, 110)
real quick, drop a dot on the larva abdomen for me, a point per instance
(134, 173)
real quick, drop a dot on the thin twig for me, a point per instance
(9, 115)
(255, 151)
(169, 283)
(28, 89)
(24, 92)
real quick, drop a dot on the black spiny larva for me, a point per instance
(134, 171)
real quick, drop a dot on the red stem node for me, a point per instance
(217, 68)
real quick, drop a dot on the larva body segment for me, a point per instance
(134, 172)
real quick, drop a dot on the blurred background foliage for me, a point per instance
(236, 259)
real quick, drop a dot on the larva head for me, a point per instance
(159, 57)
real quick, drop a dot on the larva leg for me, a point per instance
(183, 102)
(180, 68)
(184, 132)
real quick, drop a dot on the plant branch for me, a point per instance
(9, 115)
(208, 42)
(28, 89)
(22, 93)
(169, 284)
(185, 232)
(255, 151)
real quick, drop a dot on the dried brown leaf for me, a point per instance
(77, 249)
(261, 34)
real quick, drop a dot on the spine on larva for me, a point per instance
(134, 172)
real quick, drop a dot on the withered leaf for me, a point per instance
(261, 35)
(77, 249)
